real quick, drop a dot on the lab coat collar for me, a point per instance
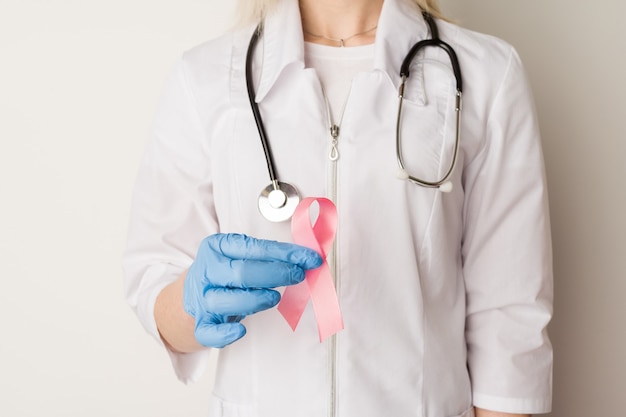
(400, 26)
(283, 44)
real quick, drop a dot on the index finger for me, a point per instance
(242, 247)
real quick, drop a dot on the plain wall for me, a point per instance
(575, 56)
(79, 81)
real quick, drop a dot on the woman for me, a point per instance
(445, 296)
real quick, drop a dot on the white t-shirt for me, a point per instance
(336, 67)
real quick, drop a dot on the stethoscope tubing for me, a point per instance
(278, 200)
(404, 75)
(255, 107)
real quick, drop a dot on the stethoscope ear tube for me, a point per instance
(456, 69)
(433, 41)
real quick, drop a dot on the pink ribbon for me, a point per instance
(318, 283)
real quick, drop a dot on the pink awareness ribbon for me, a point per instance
(318, 283)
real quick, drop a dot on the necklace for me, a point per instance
(340, 41)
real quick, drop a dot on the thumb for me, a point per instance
(218, 335)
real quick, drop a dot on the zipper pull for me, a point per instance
(334, 152)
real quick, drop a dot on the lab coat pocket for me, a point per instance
(221, 408)
(427, 129)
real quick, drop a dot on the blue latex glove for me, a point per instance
(232, 277)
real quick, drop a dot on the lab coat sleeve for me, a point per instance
(172, 210)
(507, 258)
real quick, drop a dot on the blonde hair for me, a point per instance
(250, 11)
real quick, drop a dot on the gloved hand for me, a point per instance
(232, 277)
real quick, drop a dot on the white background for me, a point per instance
(79, 81)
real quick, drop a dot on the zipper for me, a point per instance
(333, 156)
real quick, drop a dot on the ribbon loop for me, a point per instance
(318, 284)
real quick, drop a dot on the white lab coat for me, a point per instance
(445, 297)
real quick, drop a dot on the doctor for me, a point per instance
(445, 296)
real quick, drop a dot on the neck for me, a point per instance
(327, 21)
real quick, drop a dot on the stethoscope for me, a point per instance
(278, 201)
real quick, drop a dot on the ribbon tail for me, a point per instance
(293, 303)
(325, 302)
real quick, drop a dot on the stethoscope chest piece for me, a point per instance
(278, 203)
